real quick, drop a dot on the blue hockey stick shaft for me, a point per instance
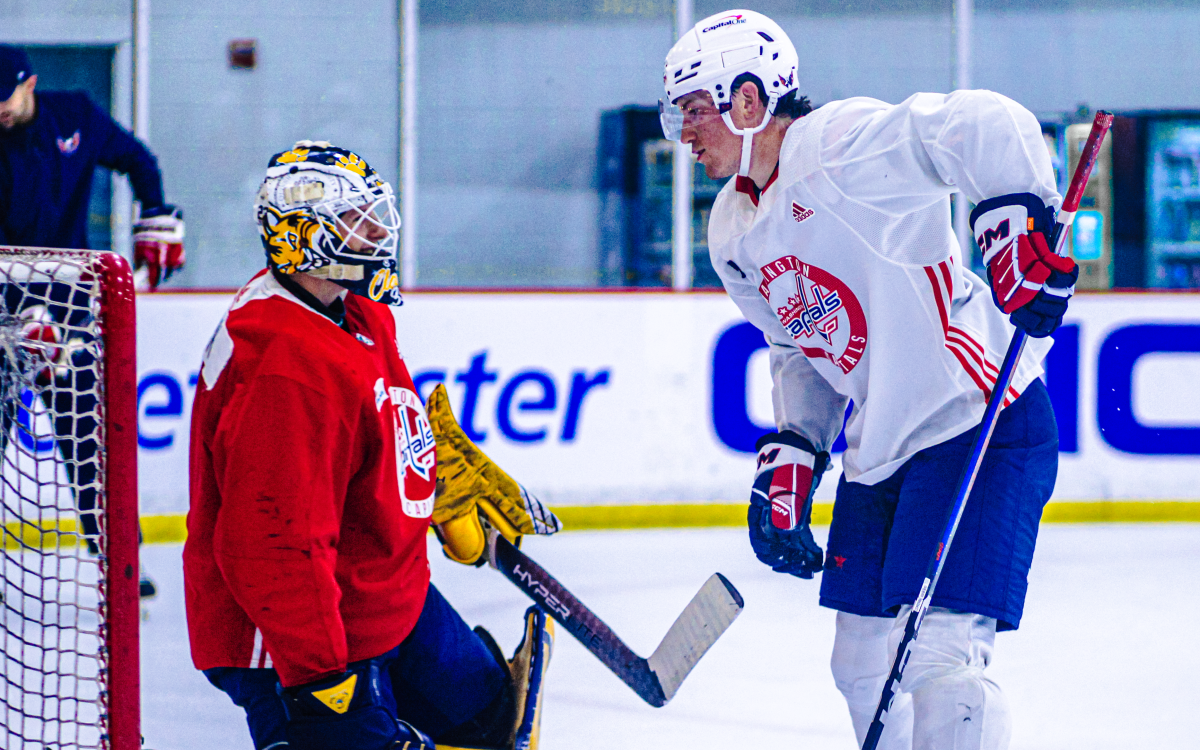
(937, 561)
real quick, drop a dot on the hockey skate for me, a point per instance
(528, 668)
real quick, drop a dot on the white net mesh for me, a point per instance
(54, 669)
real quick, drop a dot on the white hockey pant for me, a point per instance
(946, 703)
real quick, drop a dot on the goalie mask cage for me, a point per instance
(69, 614)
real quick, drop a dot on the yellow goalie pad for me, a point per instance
(470, 486)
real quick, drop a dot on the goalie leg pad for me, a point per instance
(529, 665)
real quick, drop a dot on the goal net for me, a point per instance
(68, 502)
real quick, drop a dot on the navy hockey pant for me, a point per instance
(882, 535)
(442, 676)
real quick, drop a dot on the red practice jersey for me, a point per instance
(312, 483)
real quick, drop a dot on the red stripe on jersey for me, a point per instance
(969, 367)
(990, 371)
(937, 296)
(976, 361)
(969, 352)
(967, 339)
(972, 348)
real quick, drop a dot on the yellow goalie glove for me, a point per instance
(470, 488)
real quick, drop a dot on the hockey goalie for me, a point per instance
(314, 478)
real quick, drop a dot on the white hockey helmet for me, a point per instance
(714, 53)
(315, 199)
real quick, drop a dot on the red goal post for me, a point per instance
(69, 610)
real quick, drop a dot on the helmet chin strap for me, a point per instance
(747, 134)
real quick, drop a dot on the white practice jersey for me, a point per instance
(849, 265)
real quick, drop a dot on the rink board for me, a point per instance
(656, 398)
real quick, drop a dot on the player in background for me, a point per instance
(834, 238)
(50, 145)
(312, 478)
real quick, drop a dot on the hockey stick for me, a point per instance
(709, 614)
(1066, 216)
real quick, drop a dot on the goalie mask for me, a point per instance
(324, 211)
(713, 54)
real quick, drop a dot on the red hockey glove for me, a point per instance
(789, 470)
(1029, 282)
(158, 243)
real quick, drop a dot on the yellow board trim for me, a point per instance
(172, 529)
(60, 533)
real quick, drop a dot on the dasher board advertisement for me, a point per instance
(622, 398)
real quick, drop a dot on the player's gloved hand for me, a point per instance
(158, 243)
(472, 489)
(1028, 280)
(348, 712)
(789, 470)
(43, 344)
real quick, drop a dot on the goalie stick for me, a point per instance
(656, 679)
(1066, 216)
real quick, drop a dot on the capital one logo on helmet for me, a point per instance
(416, 452)
(726, 21)
(818, 310)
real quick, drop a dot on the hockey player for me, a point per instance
(50, 146)
(834, 238)
(313, 474)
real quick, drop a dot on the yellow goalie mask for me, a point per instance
(472, 490)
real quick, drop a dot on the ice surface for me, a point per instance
(1105, 658)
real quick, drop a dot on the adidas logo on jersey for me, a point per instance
(800, 213)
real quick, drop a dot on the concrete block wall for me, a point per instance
(510, 95)
(324, 71)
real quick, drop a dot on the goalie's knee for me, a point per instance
(492, 726)
(513, 718)
(955, 705)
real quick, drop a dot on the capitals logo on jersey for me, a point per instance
(70, 145)
(416, 453)
(817, 309)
